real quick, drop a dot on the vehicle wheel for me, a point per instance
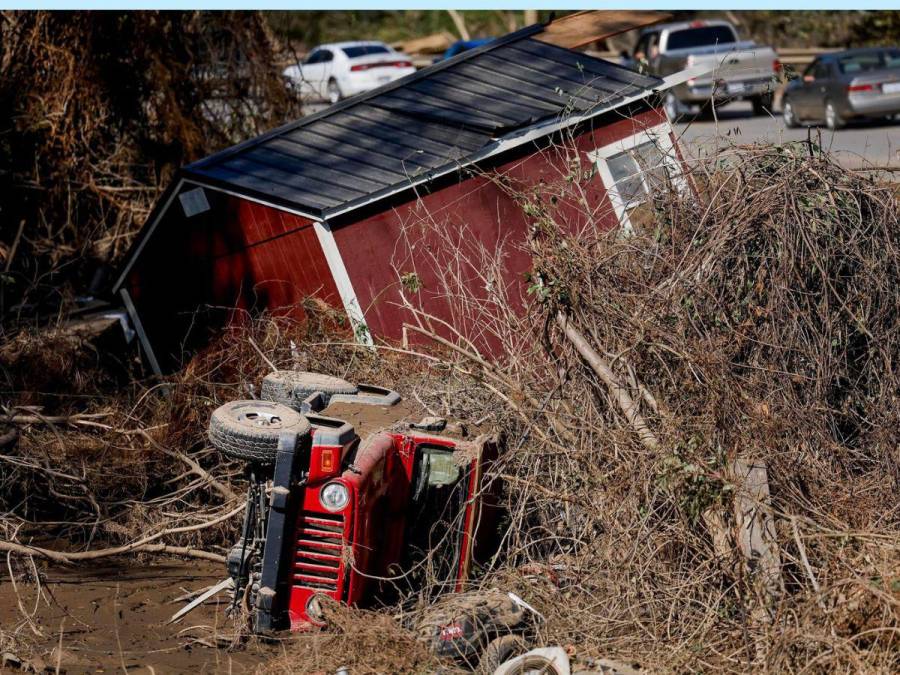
(249, 430)
(707, 110)
(291, 387)
(674, 108)
(334, 91)
(499, 651)
(833, 119)
(762, 105)
(789, 116)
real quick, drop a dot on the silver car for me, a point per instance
(835, 88)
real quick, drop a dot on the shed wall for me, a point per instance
(240, 255)
(194, 272)
(476, 216)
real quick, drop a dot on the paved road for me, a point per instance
(859, 145)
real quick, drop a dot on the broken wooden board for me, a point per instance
(756, 537)
(583, 28)
(435, 43)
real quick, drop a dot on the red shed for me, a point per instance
(328, 206)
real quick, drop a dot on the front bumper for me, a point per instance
(875, 104)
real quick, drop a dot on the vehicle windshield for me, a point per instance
(365, 50)
(861, 63)
(700, 37)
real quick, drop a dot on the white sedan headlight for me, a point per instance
(334, 496)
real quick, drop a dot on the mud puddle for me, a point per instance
(112, 618)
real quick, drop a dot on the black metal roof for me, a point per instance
(440, 117)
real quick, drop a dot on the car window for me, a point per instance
(365, 50)
(892, 58)
(700, 37)
(860, 63)
(821, 71)
(319, 56)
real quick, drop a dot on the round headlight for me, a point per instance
(314, 608)
(334, 496)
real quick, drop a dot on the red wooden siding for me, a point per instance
(473, 213)
(239, 254)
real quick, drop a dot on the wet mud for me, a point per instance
(113, 618)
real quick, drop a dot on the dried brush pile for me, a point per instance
(756, 321)
(97, 110)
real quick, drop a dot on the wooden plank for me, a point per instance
(435, 43)
(583, 28)
(755, 535)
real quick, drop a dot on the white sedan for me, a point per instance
(335, 71)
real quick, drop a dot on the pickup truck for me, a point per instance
(735, 69)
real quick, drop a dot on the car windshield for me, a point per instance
(700, 37)
(860, 63)
(365, 50)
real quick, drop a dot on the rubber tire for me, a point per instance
(499, 651)
(233, 432)
(291, 387)
(788, 115)
(762, 105)
(674, 108)
(706, 111)
(833, 121)
(333, 91)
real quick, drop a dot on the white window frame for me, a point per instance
(662, 136)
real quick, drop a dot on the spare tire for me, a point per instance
(249, 430)
(292, 387)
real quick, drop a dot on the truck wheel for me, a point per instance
(833, 119)
(762, 105)
(789, 116)
(249, 430)
(499, 651)
(291, 387)
(674, 108)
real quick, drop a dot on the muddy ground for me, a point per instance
(113, 618)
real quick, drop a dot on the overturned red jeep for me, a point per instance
(351, 497)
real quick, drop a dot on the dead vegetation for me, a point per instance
(753, 323)
(97, 111)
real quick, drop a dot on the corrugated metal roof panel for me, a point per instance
(440, 116)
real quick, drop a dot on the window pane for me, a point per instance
(651, 161)
(637, 171)
(364, 50)
(626, 174)
(860, 63)
(700, 37)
